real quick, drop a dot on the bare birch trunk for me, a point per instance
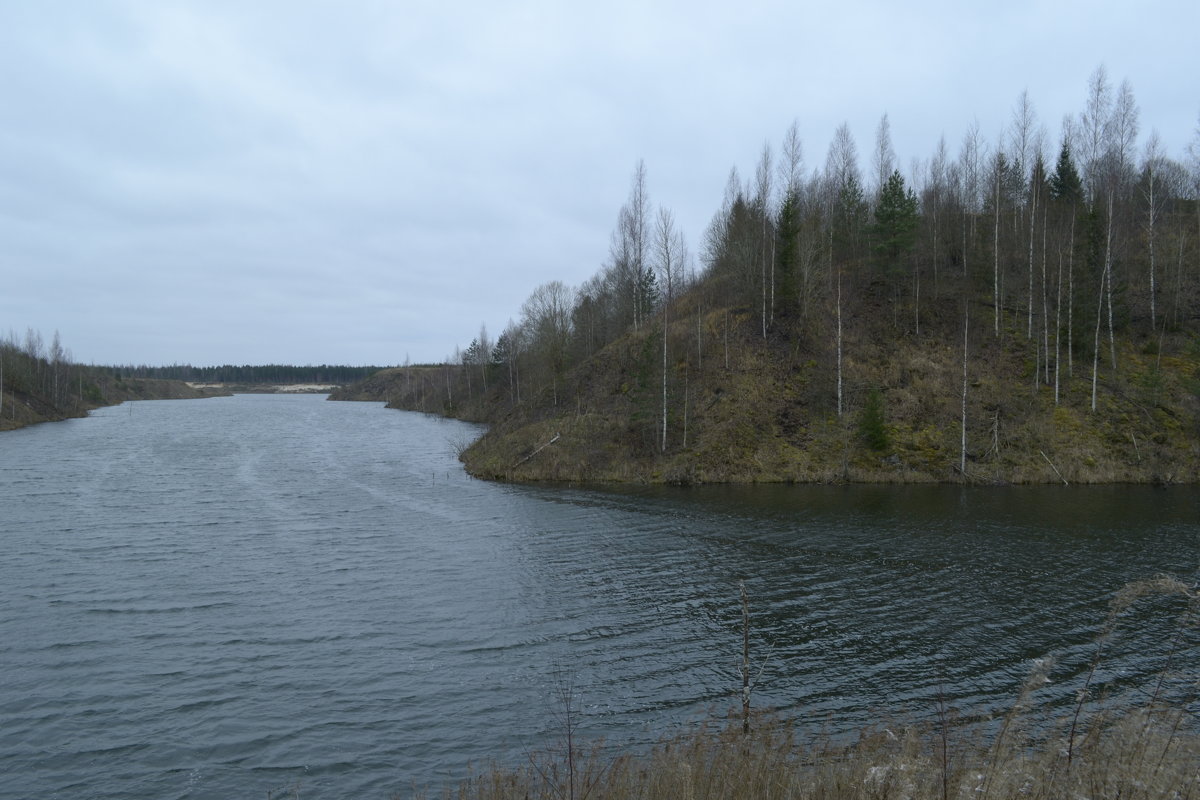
(1112, 340)
(772, 280)
(962, 458)
(1150, 240)
(839, 343)
(763, 265)
(1071, 299)
(1045, 305)
(917, 300)
(964, 243)
(1032, 227)
(685, 405)
(996, 261)
(1058, 329)
(664, 384)
(1096, 342)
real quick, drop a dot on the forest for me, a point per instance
(40, 382)
(248, 374)
(1024, 309)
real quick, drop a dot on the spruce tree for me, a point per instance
(788, 254)
(895, 225)
(1065, 184)
(871, 423)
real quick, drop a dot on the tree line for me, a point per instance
(43, 377)
(249, 374)
(40, 380)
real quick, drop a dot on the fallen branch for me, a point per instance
(1056, 472)
(535, 452)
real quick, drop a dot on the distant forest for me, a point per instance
(42, 377)
(40, 381)
(249, 374)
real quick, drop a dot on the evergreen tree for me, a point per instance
(871, 423)
(788, 253)
(1065, 184)
(848, 217)
(895, 225)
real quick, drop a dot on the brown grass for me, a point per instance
(1146, 753)
(1146, 750)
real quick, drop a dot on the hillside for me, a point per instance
(741, 408)
(21, 405)
(995, 317)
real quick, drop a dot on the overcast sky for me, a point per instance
(359, 182)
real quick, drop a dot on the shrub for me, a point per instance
(871, 424)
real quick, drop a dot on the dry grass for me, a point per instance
(1145, 750)
(1150, 753)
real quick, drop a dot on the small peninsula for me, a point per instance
(995, 317)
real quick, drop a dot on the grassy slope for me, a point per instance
(21, 410)
(771, 416)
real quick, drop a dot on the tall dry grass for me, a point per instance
(1148, 753)
(1091, 751)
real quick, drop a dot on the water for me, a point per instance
(225, 597)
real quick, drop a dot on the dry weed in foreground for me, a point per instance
(1144, 754)
(1151, 751)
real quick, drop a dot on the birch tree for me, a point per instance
(970, 160)
(628, 249)
(962, 457)
(670, 252)
(55, 357)
(762, 204)
(883, 158)
(999, 165)
(843, 182)
(1094, 130)
(1024, 148)
(546, 315)
(1066, 190)
(1151, 192)
(933, 200)
(791, 163)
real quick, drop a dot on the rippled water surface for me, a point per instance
(231, 596)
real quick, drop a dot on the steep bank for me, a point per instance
(744, 408)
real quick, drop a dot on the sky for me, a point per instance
(369, 182)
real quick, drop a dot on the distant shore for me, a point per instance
(268, 388)
(21, 410)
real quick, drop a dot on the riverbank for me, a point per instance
(765, 411)
(267, 388)
(20, 409)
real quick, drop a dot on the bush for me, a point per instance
(871, 425)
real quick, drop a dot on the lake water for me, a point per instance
(225, 597)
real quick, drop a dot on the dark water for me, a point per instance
(218, 598)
